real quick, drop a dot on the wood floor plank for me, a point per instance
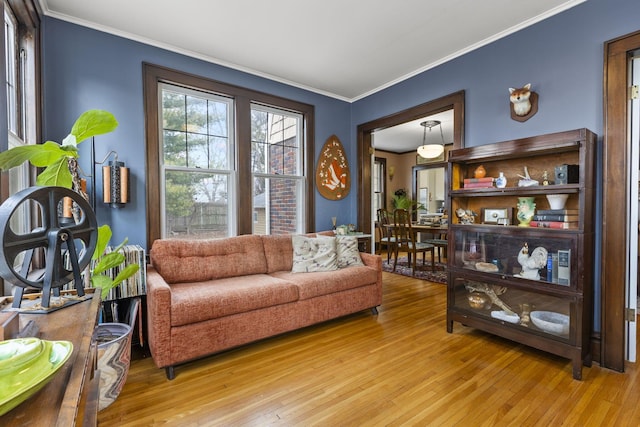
(398, 368)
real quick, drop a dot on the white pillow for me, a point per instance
(347, 250)
(310, 254)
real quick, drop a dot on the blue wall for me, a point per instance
(562, 57)
(86, 69)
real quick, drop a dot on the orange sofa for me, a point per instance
(205, 296)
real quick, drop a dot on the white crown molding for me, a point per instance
(206, 58)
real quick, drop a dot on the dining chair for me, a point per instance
(387, 240)
(406, 240)
(439, 240)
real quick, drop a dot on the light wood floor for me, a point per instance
(398, 368)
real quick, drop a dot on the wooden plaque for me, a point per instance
(333, 178)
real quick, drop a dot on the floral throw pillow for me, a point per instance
(348, 252)
(311, 254)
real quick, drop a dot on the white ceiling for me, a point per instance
(345, 49)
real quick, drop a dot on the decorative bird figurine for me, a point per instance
(531, 263)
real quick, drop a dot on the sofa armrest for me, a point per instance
(159, 318)
(374, 261)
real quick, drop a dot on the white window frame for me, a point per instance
(230, 172)
(300, 177)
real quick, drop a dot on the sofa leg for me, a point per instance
(374, 310)
(171, 373)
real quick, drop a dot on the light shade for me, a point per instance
(430, 151)
(115, 184)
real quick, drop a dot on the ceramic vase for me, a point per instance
(501, 181)
(526, 208)
(480, 172)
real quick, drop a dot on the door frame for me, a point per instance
(453, 101)
(614, 219)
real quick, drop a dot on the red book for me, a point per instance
(554, 224)
(474, 180)
(478, 185)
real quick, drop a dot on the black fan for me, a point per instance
(66, 243)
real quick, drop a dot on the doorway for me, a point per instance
(616, 222)
(453, 102)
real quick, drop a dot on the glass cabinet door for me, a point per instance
(549, 258)
(536, 312)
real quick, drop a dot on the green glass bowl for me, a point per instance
(26, 365)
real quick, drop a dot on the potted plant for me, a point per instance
(60, 163)
(400, 200)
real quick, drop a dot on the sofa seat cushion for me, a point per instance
(327, 282)
(199, 301)
(181, 261)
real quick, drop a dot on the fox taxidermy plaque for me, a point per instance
(524, 102)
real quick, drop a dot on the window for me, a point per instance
(21, 99)
(379, 184)
(197, 154)
(224, 160)
(276, 163)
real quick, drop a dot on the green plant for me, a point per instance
(61, 169)
(400, 200)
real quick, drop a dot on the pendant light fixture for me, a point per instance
(430, 151)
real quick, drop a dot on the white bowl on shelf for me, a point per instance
(551, 322)
(557, 201)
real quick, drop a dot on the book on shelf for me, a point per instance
(476, 180)
(488, 184)
(563, 225)
(556, 217)
(557, 211)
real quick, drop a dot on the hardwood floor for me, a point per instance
(398, 368)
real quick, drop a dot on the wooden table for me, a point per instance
(71, 397)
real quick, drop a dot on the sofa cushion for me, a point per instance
(311, 285)
(180, 261)
(278, 250)
(197, 302)
(312, 254)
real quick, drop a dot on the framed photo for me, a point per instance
(492, 215)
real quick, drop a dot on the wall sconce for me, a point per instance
(115, 184)
(392, 171)
(115, 180)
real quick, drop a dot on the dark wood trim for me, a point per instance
(383, 161)
(453, 101)
(154, 74)
(614, 205)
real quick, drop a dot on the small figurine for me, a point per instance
(526, 180)
(466, 216)
(531, 263)
(545, 178)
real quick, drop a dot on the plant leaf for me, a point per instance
(125, 273)
(104, 235)
(56, 174)
(92, 123)
(110, 260)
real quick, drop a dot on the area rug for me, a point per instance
(424, 273)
